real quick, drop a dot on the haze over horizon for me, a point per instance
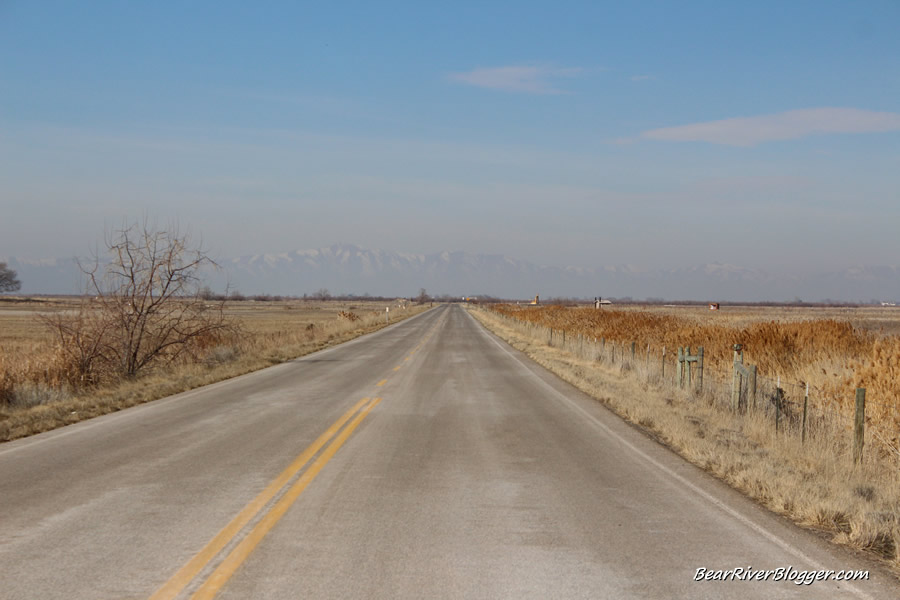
(347, 269)
(763, 135)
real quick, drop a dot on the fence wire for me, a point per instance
(793, 408)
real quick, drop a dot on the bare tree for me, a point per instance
(8, 280)
(423, 296)
(146, 305)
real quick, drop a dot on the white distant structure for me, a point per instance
(598, 302)
(889, 304)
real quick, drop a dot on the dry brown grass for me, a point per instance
(815, 482)
(36, 395)
(833, 350)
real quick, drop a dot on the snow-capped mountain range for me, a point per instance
(349, 269)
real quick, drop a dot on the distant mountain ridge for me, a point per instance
(350, 269)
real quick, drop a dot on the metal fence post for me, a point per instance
(779, 396)
(859, 425)
(803, 426)
(700, 369)
(753, 385)
(736, 378)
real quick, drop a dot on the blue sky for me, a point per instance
(659, 134)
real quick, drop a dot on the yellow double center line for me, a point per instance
(210, 587)
(239, 554)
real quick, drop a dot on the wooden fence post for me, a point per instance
(859, 425)
(632, 351)
(680, 367)
(687, 366)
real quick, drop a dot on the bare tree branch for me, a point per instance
(146, 305)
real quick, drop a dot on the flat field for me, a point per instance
(832, 350)
(880, 320)
(24, 336)
(35, 397)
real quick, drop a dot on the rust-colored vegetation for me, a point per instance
(41, 387)
(831, 355)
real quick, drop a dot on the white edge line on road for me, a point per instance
(652, 461)
(75, 428)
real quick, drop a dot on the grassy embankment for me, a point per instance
(813, 482)
(34, 397)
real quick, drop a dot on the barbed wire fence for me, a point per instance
(794, 410)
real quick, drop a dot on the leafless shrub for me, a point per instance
(82, 352)
(146, 306)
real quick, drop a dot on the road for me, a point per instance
(426, 460)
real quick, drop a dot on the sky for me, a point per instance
(655, 134)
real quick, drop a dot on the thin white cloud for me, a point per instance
(790, 125)
(641, 77)
(529, 79)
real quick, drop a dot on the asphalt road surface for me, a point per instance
(427, 460)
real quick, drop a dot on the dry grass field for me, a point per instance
(35, 395)
(811, 479)
(833, 350)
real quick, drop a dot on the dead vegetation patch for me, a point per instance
(37, 394)
(832, 351)
(813, 482)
